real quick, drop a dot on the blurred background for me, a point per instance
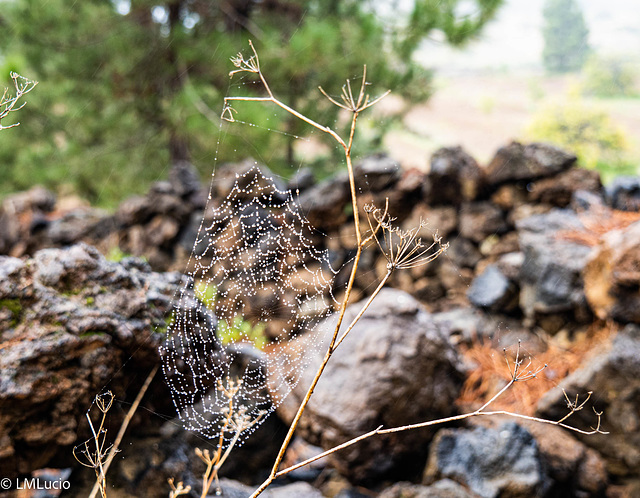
(127, 89)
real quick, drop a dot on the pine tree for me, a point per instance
(129, 88)
(566, 35)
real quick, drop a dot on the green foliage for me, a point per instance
(451, 17)
(241, 330)
(566, 35)
(609, 77)
(238, 329)
(585, 131)
(206, 294)
(123, 96)
(116, 254)
(14, 308)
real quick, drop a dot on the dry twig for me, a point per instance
(236, 422)
(177, 490)
(8, 103)
(100, 459)
(95, 458)
(517, 373)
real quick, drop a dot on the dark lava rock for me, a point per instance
(443, 219)
(228, 174)
(133, 211)
(614, 378)
(396, 367)
(624, 193)
(517, 162)
(493, 290)
(503, 462)
(463, 252)
(583, 201)
(478, 220)
(234, 489)
(77, 225)
(510, 195)
(576, 469)
(145, 463)
(551, 274)
(558, 191)
(376, 173)
(324, 204)
(454, 177)
(21, 216)
(469, 325)
(158, 225)
(302, 180)
(77, 324)
(184, 178)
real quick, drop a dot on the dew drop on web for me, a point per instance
(259, 279)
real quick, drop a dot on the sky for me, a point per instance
(514, 39)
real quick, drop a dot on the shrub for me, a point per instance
(588, 132)
(609, 77)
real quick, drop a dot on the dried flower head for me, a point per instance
(402, 248)
(349, 102)
(250, 65)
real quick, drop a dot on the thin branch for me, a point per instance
(328, 452)
(95, 459)
(177, 490)
(477, 413)
(8, 104)
(236, 422)
(123, 429)
(404, 249)
(252, 65)
(364, 308)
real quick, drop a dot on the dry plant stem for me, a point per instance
(7, 104)
(476, 413)
(235, 420)
(328, 452)
(517, 375)
(355, 106)
(94, 460)
(101, 480)
(332, 342)
(177, 490)
(405, 257)
(364, 308)
(125, 424)
(214, 464)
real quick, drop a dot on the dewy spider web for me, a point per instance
(255, 267)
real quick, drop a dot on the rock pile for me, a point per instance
(537, 247)
(72, 324)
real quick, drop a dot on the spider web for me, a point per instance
(255, 269)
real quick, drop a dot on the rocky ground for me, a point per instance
(539, 252)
